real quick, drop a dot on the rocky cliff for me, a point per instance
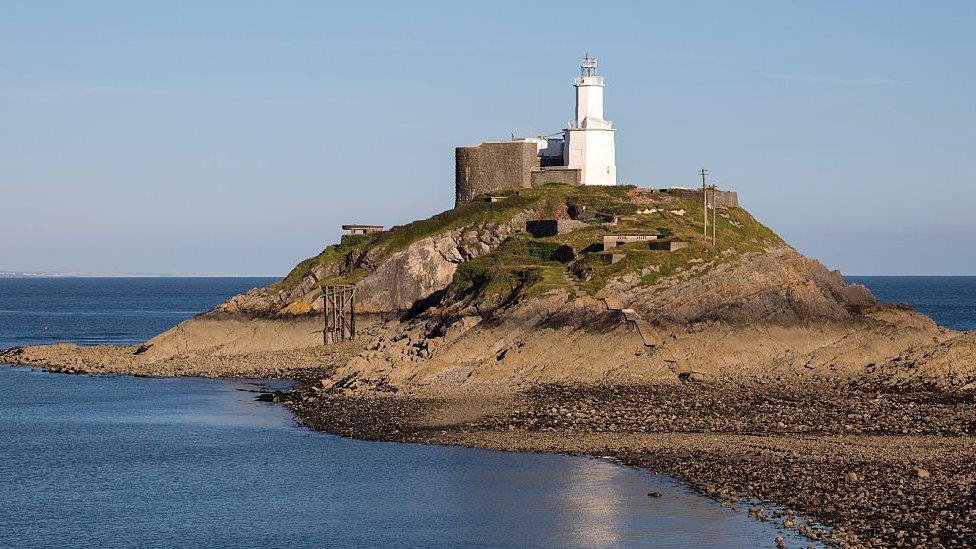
(394, 271)
(489, 303)
(748, 273)
(468, 296)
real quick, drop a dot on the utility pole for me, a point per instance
(714, 187)
(703, 172)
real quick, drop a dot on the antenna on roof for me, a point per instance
(588, 65)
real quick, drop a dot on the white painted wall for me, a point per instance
(589, 98)
(592, 151)
(590, 138)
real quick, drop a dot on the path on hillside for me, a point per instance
(572, 284)
(614, 303)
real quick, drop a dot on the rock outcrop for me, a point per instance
(427, 266)
(777, 285)
(390, 282)
(467, 296)
(201, 347)
(553, 339)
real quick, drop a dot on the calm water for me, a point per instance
(137, 462)
(133, 462)
(949, 300)
(90, 311)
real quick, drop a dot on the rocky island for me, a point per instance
(749, 371)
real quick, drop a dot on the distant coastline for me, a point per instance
(83, 274)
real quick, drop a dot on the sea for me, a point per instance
(89, 461)
(949, 300)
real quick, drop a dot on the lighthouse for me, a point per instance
(584, 155)
(588, 141)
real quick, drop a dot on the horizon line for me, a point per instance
(72, 274)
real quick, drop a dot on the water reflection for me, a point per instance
(595, 497)
(199, 463)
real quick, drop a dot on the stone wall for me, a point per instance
(723, 199)
(667, 245)
(566, 176)
(492, 167)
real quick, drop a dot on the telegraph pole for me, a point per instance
(714, 187)
(703, 172)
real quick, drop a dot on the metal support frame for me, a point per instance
(339, 313)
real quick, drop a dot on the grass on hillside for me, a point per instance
(521, 267)
(333, 253)
(524, 266)
(502, 275)
(736, 233)
(399, 237)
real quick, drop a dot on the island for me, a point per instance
(555, 310)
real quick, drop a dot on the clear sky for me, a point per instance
(235, 137)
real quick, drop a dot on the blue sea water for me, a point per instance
(91, 311)
(133, 462)
(949, 300)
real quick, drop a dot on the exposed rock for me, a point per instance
(204, 347)
(779, 285)
(427, 266)
(395, 282)
(800, 388)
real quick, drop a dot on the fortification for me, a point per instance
(720, 198)
(558, 174)
(584, 155)
(493, 166)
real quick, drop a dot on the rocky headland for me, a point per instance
(751, 372)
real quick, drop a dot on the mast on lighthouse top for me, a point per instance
(588, 75)
(589, 95)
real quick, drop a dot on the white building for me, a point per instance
(587, 144)
(588, 141)
(585, 155)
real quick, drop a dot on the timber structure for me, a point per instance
(339, 313)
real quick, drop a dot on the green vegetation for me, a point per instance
(335, 253)
(519, 268)
(524, 266)
(401, 236)
(472, 213)
(612, 200)
(736, 233)
(510, 273)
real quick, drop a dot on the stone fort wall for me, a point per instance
(723, 199)
(501, 165)
(493, 166)
(566, 176)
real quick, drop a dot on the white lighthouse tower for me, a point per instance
(589, 139)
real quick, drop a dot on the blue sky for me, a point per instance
(235, 137)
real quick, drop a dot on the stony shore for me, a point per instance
(198, 347)
(880, 456)
(874, 469)
(740, 366)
